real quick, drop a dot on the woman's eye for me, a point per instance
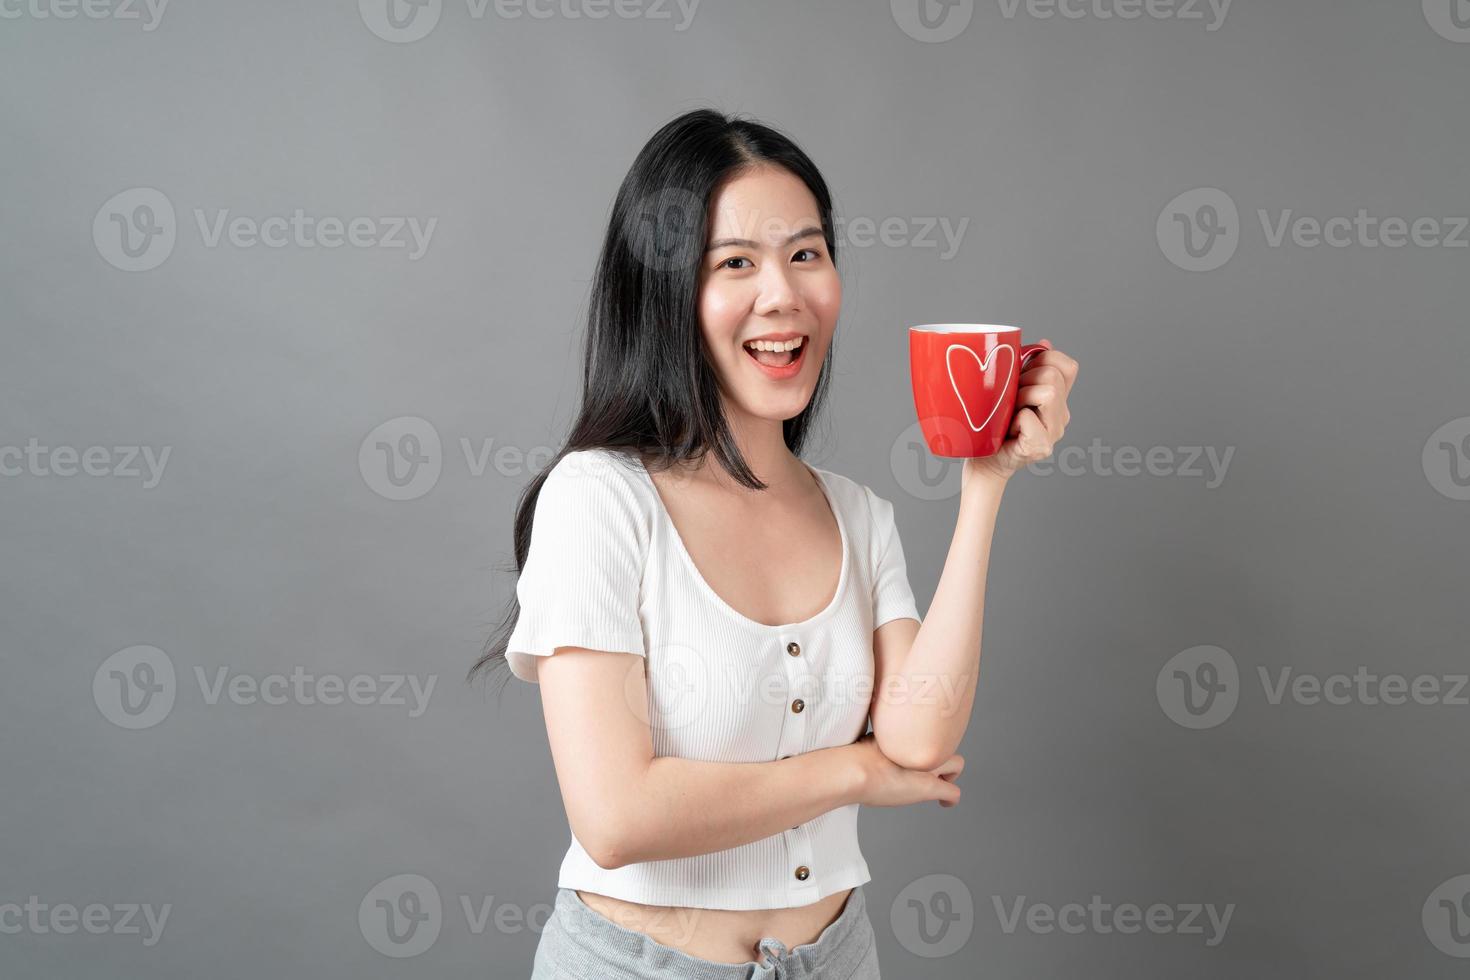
(814, 253)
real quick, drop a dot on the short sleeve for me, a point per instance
(892, 597)
(582, 578)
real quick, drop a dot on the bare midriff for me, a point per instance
(720, 935)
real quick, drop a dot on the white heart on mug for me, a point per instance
(984, 365)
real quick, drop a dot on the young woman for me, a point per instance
(725, 618)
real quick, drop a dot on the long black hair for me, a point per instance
(647, 384)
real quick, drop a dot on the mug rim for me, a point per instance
(965, 328)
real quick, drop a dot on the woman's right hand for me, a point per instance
(885, 783)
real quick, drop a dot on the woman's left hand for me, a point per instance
(1040, 420)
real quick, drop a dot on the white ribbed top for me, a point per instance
(607, 571)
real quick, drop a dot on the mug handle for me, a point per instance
(1027, 350)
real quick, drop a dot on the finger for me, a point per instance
(1048, 403)
(1033, 442)
(947, 795)
(1054, 407)
(1043, 374)
(1065, 365)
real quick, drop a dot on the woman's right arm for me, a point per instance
(625, 806)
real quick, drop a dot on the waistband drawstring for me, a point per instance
(773, 965)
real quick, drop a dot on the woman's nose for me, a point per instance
(778, 292)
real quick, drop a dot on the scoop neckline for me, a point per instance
(842, 576)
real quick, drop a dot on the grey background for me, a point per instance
(266, 548)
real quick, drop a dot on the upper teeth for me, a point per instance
(775, 345)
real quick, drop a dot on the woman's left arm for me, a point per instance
(924, 675)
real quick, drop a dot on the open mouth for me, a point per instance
(777, 355)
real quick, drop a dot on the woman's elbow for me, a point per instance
(915, 754)
(606, 844)
(608, 857)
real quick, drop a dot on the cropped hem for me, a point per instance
(732, 899)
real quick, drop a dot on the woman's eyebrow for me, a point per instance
(746, 242)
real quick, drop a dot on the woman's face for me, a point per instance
(766, 273)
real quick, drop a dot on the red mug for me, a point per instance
(966, 377)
